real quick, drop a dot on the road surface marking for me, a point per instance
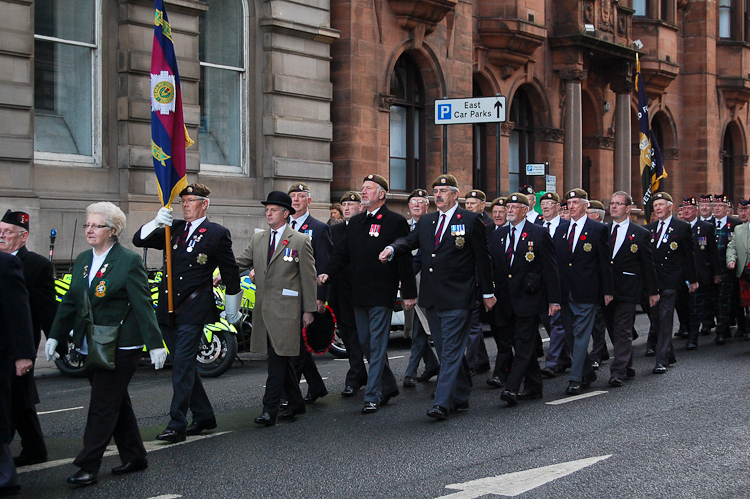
(59, 410)
(513, 484)
(166, 496)
(303, 380)
(396, 357)
(151, 446)
(577, 397)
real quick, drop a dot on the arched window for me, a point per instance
(66, 80)
(521, 139)
(407, 171)
(221, 90)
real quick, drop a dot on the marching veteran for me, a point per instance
(286, 288)
(198, 247)
(109, 287)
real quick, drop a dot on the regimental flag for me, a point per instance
(652, 166)
(169, 137)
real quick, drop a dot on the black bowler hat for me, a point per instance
(18, 218)
(279, 198)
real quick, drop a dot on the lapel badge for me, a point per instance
(202, 258)
(587, 247)
(101, 289)
(86, 271)
(633, 248)
(529, 256)
(460, 241)
(673, 246)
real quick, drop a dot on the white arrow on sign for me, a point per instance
(513, 484)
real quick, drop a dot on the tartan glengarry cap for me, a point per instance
(196, 190)
(663, 195)
(597, 205)
(707, 197)
(476, 194)
(351, 196)
(550, 195)
(378, 179)
(518, 197)
(501, 201)
(446, 180)
(689, 201)
(744, 202)
(577, 193)
(299, 187)
(721, 198)
(563, 207)
(418, 193)
(527, 190)
(18, 218)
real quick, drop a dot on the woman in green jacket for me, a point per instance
(116, 283)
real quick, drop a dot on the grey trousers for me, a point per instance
(450, 332)
(374, 328)
(578, 319)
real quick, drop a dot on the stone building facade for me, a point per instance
(327, 91)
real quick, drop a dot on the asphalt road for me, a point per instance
(682, 434)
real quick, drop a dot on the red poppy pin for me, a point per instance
(99, 274)
(304, 227)
(631, 236)
(582, 238)
(285, 242)
(458, 216)
(202, 230)
(524, 235)
(380, 215)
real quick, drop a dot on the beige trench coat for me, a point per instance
(283, 289)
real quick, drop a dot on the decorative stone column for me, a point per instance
(622, 177)
(573, 141)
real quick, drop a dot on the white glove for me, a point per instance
(232, 307)
(158, 357)
(49, 349)
(163, 217)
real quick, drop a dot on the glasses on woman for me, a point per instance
(93, 226)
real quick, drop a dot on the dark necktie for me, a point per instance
(613, 237)
(661, 232)
(439, 230)
(571, 237)
(549, 230)
(294, 224)
(511, 246)
(272, 247)
(718, 224)
(185, 234)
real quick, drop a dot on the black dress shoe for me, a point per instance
(482, 369)
(719, 340)
(691, 345)
(563, 367)
(428, 375)
(197, 427)
(10, 490)
(615, 381)
(265, 419)
(349, 391)
(680, 334)
(370, 408)
(588, 379)
(496, 382)
(410, 382)
(438, 412)
(529, 395)
(385, 398)
(171, 435)
(460, 407)
(548, 373)
(137, 465)
(509, 397)
(629, 373)
(310, 398)
(283, 404)
(83, 478)
(650, 352)
(660, 369)
(594, 365)
(574, 388)
(672, 361)
(289, 413)
(24, 460)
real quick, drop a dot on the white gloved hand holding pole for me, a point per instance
(232, 307)
(49, 348)
(163, 217)
(158, 357)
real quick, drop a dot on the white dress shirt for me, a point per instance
(578, 228)
(300, 221)
(448, 216)
(622, 231)
(553, 224)
(664, 229)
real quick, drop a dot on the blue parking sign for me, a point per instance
(444, 111)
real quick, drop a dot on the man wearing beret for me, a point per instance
(672, 245)
(532, 216)
(691, 306)
(598, 352)
(419, 203)
(499, 212)
(558, 356)
(705, 214)
(585, 276)
(320, 236)
(504, 358)
(340, 300)
(726, 298)
(198, 247)
(285, 299)
(526, 286)
(476, 351)
(455, 253)
(39, 277)
(374, 285)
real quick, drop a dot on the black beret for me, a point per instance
(689, 201)
(18, 218)
(721, 198)
(526, 189)
(707, 197)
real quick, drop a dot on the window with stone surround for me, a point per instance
(222, 94)
(725, 18)
(406, 127)
(66, 81)
(640, 7)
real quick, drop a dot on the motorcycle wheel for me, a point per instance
(338, 349)
(216, 357)
(71, 364)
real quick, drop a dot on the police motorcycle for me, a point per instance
(221, 341)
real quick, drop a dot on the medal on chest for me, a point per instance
(290, 255)
(375, 230)
(458, 230)
(702, 242)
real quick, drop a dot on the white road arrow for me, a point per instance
(513, 484)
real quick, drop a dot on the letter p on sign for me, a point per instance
(444, 111)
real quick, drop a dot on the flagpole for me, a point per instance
(170, 295)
